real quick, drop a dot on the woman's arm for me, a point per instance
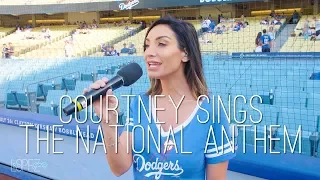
(119, 155)
(118, 149)
(217, 171)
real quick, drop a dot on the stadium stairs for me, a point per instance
(283, 36)
(298, 43)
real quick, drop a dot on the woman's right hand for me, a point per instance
(100, 110)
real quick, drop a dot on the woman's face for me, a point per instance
(162, 55)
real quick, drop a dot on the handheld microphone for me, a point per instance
(126, 76)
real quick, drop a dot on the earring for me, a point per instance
(186, 55)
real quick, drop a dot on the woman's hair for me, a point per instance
(188, 41)
(258, 38)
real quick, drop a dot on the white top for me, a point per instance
(258, 49)
(317, 25)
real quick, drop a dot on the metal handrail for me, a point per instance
(27, 88)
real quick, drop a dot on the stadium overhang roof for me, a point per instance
(105, 6)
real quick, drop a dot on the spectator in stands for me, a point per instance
(11, 50)
(68, 49)
(295, 17)
(272, 14)
(219, 30)
(259, 47)
(237, 27)
(106, 49)
(221, 18)
(205, 25)
(223, 28)
(272, 35)
(265, 21)
(47, 34)
(275, 21)
(5, 51)
(258, 38)
(283, 16)
(124, 49)
(212, 25)
(18, 30)
(113, 52)
(265, 39)
(132, 49)
(316, 35)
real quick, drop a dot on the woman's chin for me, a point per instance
(154, 75)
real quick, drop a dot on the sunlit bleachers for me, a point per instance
(5, 31)
(237, 41)
(138, 39)
(22, 44)
(298, 43)
(83, 44)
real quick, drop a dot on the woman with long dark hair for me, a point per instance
(195, 141)
(258, 38)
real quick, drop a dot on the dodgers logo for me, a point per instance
(128, 5)
(157, 168)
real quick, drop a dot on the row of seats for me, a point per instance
(289, 97)
(82, 44)
(24, 43)
(138, 41)
(5, 31)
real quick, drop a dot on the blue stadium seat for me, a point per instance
(11, 101)
(313, 101)
(87, 77)
(293, 118)
(50, 109)
(68, 84)
(290, 99)
(312, 86)
(55, 96)
(42, 90)
(21, 101)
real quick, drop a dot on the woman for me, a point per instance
(272, 35)
(174, 65)
(258, 38)
(315, 35)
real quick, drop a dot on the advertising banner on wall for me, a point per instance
(141, 4)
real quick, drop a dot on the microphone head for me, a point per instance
(130, 73)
